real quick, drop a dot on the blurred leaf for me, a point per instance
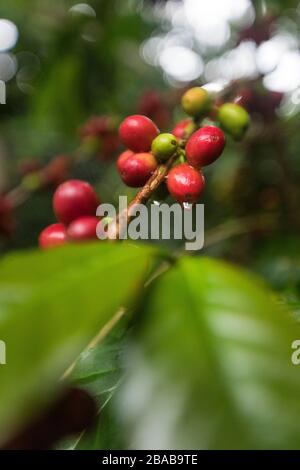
(99, 371)
(278, 260)
(211, 367)
(51, 305)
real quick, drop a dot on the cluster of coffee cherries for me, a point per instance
(74, 203)
(185, 151)
(191, 147)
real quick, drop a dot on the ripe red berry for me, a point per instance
(154, 106)
(73, 199)
(205, 146)
(56, 171)
(185, 183)
(137, 133)
(183, 128)
(122, 157)
(53, 235)
(83, 228)
(97, 126)
(136, 169)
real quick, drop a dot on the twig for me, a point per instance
(116, 228)
(239, 226)
(98, 338)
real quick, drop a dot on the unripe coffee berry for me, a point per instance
(184, 129)
(185, 183)
(137, 133)
(135, 170)
(83, 228)
(205, 146)
(164, 146)
(73, 199)
(196, 101)
(234, 119)
(53, 235)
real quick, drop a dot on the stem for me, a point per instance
(143, 195)
(240, 226)
(98, 338)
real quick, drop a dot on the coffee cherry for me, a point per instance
(185, 183)
(83, 228)
(135, 170)
(154, 106)
(97, 126)
(137, 133)
(234, 119)
(184, 129)
(164, 146)
(196, 101)
(205, 146)
(73, 199)
(56, 171)
(122, 158)
(53, 235)
(99, 134)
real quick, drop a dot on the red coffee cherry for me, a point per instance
(135, 170)
(121, 159)
(205, 146)
(185, 183)
(83, 228)
(154, 106)
(97, 126)
(137, 133)
(73, 199)
(99, 134)
(53, 235)
(183, 129)
(56, 171)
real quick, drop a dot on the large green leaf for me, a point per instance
(98, 370)
(51, 305)
(211, 365)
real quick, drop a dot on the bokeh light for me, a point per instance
(8, 35)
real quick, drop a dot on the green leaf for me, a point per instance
(98, 370)
(211, 365)
(51, 305)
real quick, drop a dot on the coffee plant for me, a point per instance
(134, 344)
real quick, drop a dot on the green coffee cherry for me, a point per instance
(234, 119)
(196, 102)
(164, 146)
